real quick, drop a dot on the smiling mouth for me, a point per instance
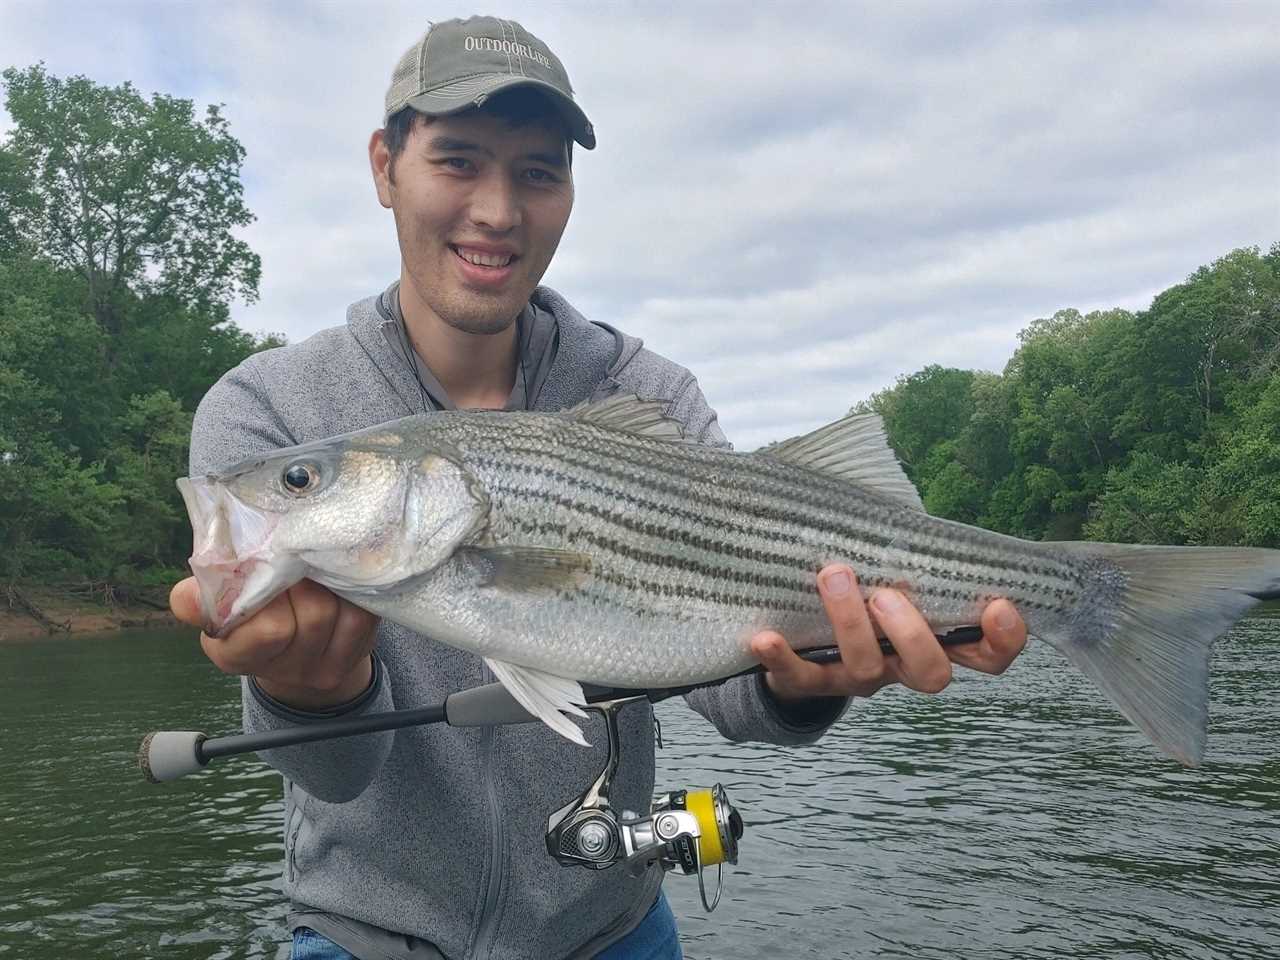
(477, 258)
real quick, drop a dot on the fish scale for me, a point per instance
(595, 546)
(683, 536)
(626, 503)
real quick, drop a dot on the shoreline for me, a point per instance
(71, 617)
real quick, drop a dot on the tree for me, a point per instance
(151, 450)
(118, 261)
(1239, 501)
(137, 196)
(922, 410)
(56, 509)
(1145, 501)
(1155, 427)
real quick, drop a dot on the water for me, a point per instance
(1009, 818)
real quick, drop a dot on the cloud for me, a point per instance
(798, 208)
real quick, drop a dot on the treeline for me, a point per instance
(118, 261)
(1161, 426)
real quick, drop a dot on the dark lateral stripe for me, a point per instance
(643, 591)
(717, 582)
(988, 576)
(793, 580)
(754, 480)
(715, 572)
(646, 524)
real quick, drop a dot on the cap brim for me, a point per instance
(462, 95)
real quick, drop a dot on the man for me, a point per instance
(428, 842)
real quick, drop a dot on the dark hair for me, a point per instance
(519, 107)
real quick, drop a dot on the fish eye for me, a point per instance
(300, 478)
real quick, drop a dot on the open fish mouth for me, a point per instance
(231, 556)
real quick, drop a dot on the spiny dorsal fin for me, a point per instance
(627, 412)
(856, 449)
(522, 569)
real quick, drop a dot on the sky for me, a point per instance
(800, 202)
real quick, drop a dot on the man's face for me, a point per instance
(479, 207)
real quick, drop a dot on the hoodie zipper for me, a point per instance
(486, 929)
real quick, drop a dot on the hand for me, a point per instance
(920, 663)
(308, 648)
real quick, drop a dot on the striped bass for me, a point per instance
(595, 546)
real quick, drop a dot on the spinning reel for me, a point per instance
(685, 830)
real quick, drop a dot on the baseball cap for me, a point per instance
(458, 64)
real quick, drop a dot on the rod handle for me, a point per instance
(170, 754)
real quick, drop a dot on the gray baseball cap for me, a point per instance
(459, 64)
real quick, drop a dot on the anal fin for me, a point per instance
(544, 695)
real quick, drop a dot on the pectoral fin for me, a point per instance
(545, 696)
(529, 568)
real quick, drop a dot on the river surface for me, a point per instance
(1010, 818)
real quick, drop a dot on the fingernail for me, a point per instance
(1006, 618)
(837, 583)
(888, 601)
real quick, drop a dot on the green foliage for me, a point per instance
(150, 451)
(1146, 501)
(1154, 427)
(117, 265)
(136, 196)
(1240, 501)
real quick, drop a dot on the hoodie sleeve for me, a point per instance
(234, 421)
(743, 708)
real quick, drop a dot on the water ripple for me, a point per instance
(1011, 818)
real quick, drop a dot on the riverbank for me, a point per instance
(32, 613)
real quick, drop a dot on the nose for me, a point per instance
(495, 204)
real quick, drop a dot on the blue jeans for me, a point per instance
(654, 939)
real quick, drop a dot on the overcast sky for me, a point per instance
(799, 202)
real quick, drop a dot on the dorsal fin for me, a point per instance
(854, 448)
(627, 412)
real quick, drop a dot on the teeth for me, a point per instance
(484, 259)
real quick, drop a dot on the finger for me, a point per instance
(355, 632)
(789, 676)
(351, 640)
(305, 661)
(922, 663)
(1004, 635)
(254, 644)
(855, 636)
(315, 609)
(184, 601)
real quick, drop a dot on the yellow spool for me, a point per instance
(703, 806)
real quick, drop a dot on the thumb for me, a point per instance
(184, 601)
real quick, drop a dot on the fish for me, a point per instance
(598, 545)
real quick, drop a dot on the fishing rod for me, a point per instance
(685, 830)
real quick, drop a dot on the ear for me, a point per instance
(380, 165)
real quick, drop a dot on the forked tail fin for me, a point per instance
(1151, 615)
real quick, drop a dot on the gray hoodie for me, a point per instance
(428, 841)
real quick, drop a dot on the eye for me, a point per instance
(538, 175)
(299, 478)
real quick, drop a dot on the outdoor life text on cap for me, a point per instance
(459, 64)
